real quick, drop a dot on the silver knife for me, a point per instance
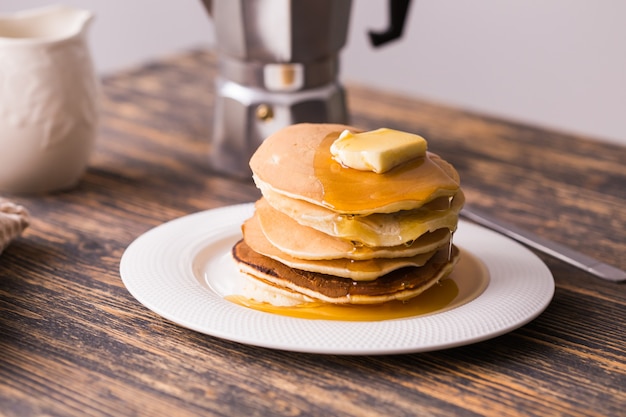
(556, 250)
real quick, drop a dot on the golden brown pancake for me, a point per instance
(308, 243)
(377, 229)
(296, 162)
(357, 270)
(401, 284)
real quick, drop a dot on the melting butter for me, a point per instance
(378, 150)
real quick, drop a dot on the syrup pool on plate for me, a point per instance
(465, 283)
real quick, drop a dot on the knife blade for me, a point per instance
(554, 249)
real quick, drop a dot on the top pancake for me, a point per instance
(296, 162)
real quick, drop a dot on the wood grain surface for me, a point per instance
(74, 342)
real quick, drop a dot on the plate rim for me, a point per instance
(188, 234)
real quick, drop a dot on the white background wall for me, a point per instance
(556, 63)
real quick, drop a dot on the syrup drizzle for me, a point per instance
(350, 191)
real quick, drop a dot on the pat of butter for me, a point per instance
(377, 150)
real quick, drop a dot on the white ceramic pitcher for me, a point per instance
(49, 100)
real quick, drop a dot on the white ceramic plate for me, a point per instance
(182, 268)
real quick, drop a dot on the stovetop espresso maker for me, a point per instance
(278, 65)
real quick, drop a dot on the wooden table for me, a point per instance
(73, 341)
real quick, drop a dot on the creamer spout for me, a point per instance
(45, 24)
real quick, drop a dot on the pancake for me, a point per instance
(308, 243)
(263, 291)
(357, 270)
(401, 284)
(296, 162)
(377, 229)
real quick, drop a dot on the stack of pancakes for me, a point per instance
(330, 233)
